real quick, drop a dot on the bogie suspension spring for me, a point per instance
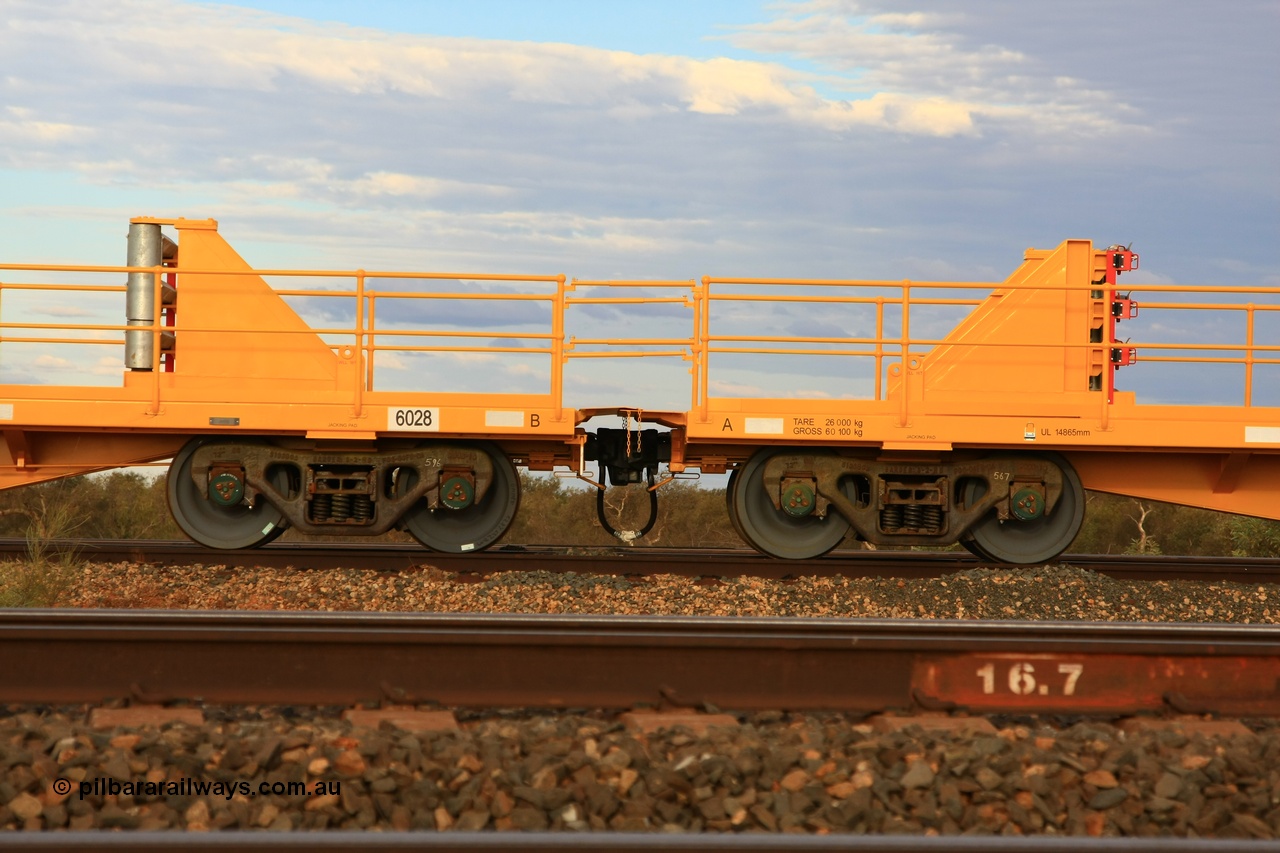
(341, 509)
(911, 518)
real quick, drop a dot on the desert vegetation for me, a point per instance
(128, 505)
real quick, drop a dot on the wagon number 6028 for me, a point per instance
(1022, 679)
(418, 420)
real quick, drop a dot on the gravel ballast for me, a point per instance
(1047, 593)
(772, 773)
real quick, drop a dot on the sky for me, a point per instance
(659, 139)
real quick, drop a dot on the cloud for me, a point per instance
(461, 372)
(194, 87)
(721, 388)
(915, 73)
(252, 178)
(878, 139)
(63, 311)
(398, 310)
(52, 362)
(108, 366)
(21, 128)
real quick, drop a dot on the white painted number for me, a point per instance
(988, 676)
(1022, 680)
(1072, 671)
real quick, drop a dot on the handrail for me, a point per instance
(885, 343)
(896, 308)
(366, 335)
(618, 347)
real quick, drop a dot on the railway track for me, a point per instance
(71, 656)
(62, 657)
(639, 561)
(1104, 670)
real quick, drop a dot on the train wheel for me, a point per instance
(729, 490)
(1029, 542)
(476, 527)
(972, 548)
(224, 527)
(766, 528)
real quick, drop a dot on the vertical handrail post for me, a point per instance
(903, 416)
(879, 347)
(372, 297)
(704, 403)
(358, 404)
(557, 347)
(1248, 355)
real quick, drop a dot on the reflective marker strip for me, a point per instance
(1261, 435)
(503, 419)
(770, 426)
(6, 411)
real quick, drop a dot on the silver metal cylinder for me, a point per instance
(146, 248)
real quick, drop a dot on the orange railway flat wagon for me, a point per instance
(985, 432)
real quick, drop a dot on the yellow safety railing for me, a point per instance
(890, 306)
(901, 346)
(635, 347)
(360, 337)
(879, 346)
(366, 332)
(1248, 350)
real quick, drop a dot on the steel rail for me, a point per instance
(625, 661)
(605, 842)
(692, 562)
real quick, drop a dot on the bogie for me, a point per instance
(238, 493)
(1014, 508)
